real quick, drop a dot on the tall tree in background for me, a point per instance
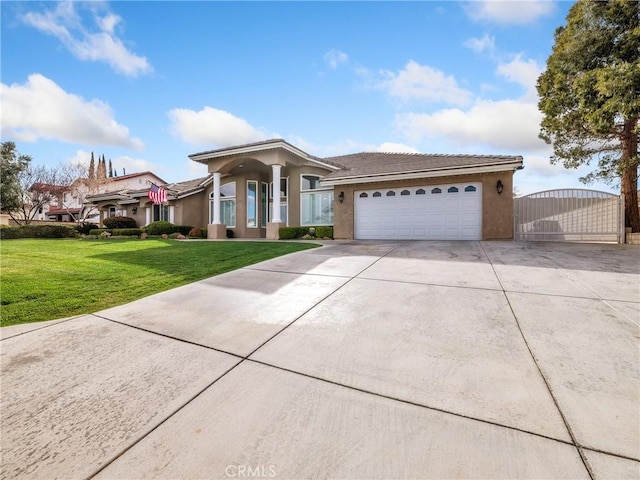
(12, 166)
(102, 168)
(590, 95)
(92, 168)
(110, 169)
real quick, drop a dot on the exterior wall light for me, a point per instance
(341, 197)
(499, 187)
(134, 210)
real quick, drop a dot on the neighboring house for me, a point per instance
(363, 196)
(46, 197)
(71, 205)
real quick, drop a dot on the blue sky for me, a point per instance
(148, 83)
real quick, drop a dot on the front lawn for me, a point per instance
(48, 279)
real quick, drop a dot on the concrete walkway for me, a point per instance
(354, 360)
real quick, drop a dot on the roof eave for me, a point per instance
(204, 157)
(445, 172)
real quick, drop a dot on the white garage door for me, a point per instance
(436, 212)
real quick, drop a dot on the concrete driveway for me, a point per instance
(354, 360)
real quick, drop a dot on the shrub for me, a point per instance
(183, 229)
(160, 228)
(9, 233)
(119, 222)
(84, 228)
(38, 231)
(127, 232)
(324, 232)
(97, 231)
(289, 233)
(195, 233)
(173, 235)
(229, 233)
(203, 232)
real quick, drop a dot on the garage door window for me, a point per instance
(470, 188)
(405, 192)
(436, 190)
(453, 190)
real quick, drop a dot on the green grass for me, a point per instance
(48, 279)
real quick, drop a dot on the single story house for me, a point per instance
(370, 195)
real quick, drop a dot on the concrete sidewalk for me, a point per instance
(354, 360)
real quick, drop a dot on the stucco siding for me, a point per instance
(497, 210)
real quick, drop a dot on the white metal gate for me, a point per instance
(569, 215)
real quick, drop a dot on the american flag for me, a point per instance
(157, 194)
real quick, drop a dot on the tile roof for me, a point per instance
(180, 188)
(381, 163)
(243, 146)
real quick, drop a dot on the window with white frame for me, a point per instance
(264, 205)
(316, 202)
(227, 205)
(252, 203)
(284, 190)
(160, 212)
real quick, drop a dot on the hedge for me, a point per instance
(85, 228)
(38, 231)
(120, 222)
(126, 232)
(289, 233)
(162, 227)
(118, 232)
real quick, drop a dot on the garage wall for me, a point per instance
(497, 210)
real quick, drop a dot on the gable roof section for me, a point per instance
(380, 166)
(271, 144)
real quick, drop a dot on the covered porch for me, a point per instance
(243, 197)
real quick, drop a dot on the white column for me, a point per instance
(275, 216)
(147, 216)
(171, 214)
(216, 198)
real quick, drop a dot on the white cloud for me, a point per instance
(65, 24)
(213, 127)
(194, 170)
(135, 165)
(506, 125)
(523, 72)
(509, 12)
(422, 82)
(480, 45)
(41, 109)
(335, 58)
(396, 148)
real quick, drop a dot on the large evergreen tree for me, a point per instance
(110, 169)
(12, 165)
(590, 95)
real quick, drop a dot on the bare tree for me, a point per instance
(39, 187)
(79, 187)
